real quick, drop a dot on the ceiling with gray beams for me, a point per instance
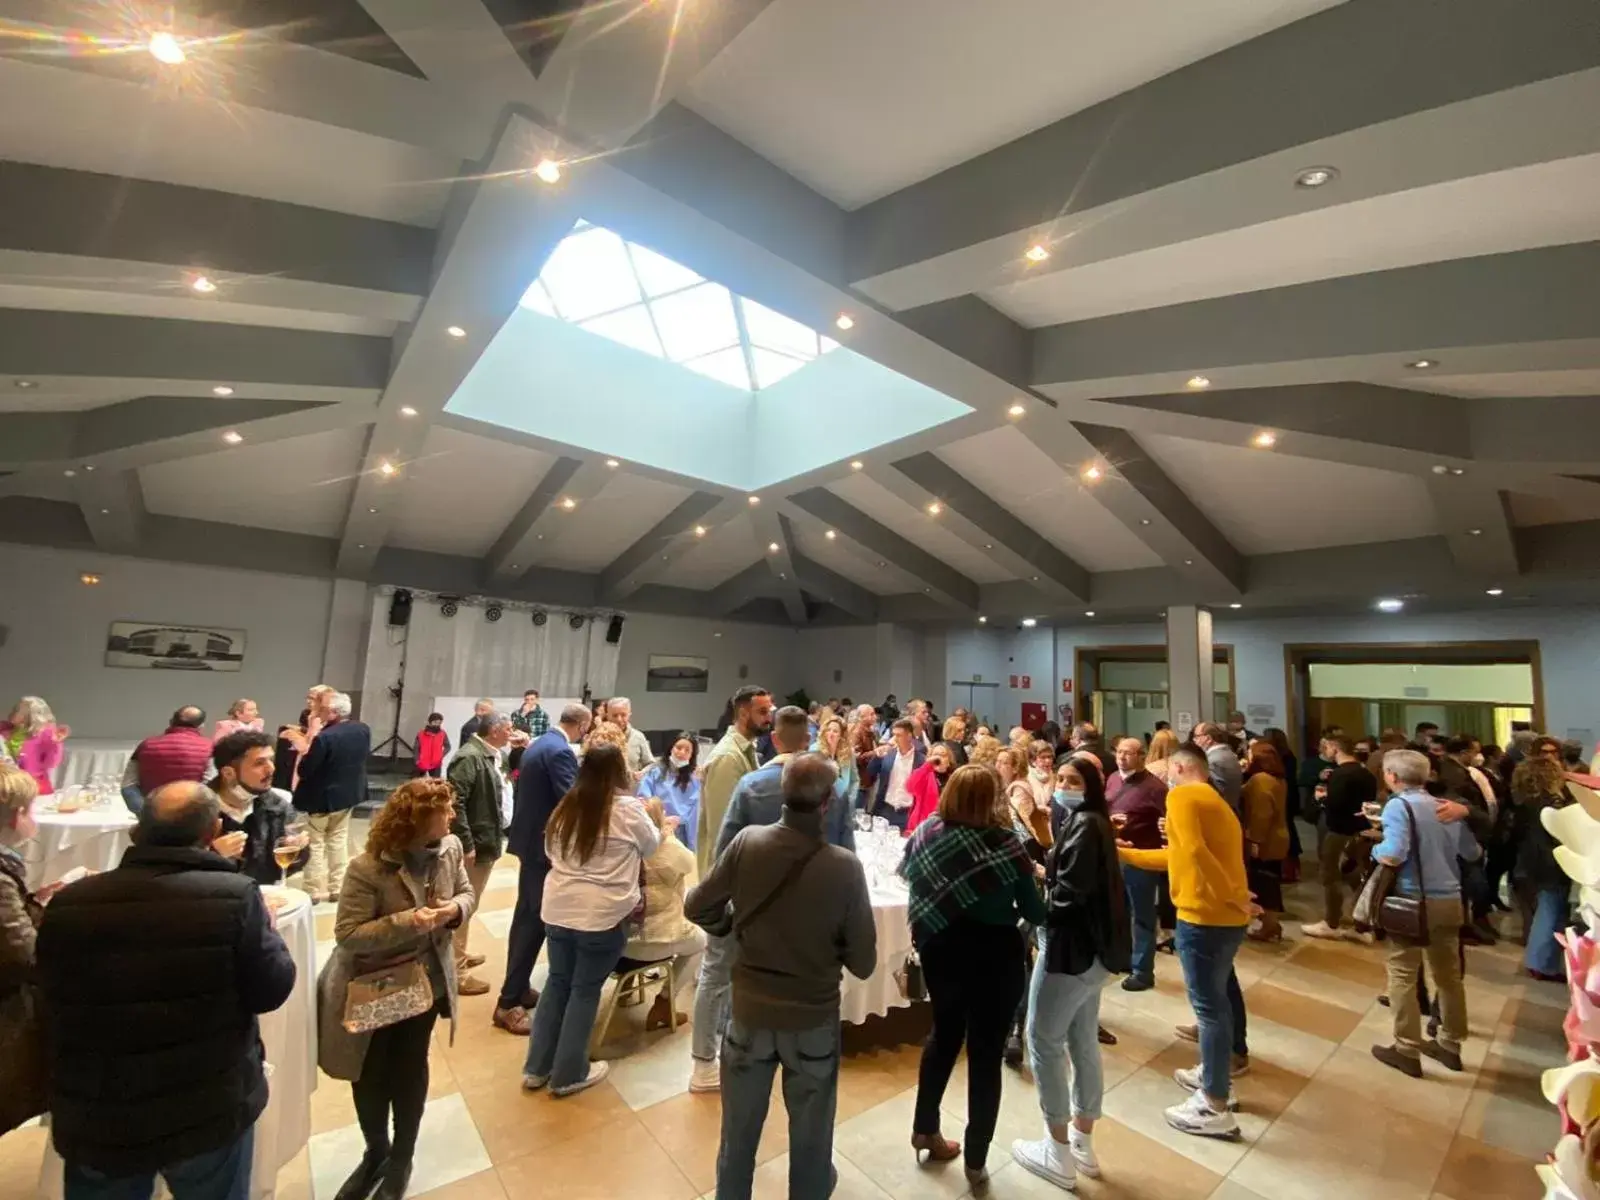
(1181, 373)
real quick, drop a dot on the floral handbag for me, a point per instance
(387, 997)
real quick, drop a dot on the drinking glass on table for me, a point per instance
(288, 847)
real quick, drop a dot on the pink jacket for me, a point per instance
(228, 725)
(40, 755)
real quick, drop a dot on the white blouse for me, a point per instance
(599, 894)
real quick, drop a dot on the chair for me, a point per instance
(632, 978)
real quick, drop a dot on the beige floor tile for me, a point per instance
(878, 1141)
(333, 1105)
(1234, 1191)
(513, 1123)
(1320, 985)
(1265, 1092)
(1297, 1011)
(448, 1149)
(1140, 1035)
(1473, 1169)
(1139, 1102)
(1019, 1115)
(1349, 961)
(1135, 1166)
(862, 1090)
(1167, 1003)
(294, 1180)
(1326, 1109)
(1291, 1049)
(1438, 1098)
(772, 1181)
(658, 1069)
(689, 1129)
(1287, 1162)
(616, 1162)
(485, 1185)
(1507, 1110)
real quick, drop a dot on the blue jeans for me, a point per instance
(580, 962)
(1206, 952)
(133, 798)
(810, 1062)
(221, 1174)
(1063, 1028)
(713, 997)
(1143, 888)
(1544, 954)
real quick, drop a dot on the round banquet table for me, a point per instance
(289, 1036)
(84, 758)
(874, 996)
(93, 838)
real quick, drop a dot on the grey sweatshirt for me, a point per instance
(787, 969)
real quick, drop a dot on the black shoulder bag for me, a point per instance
(1407, 916)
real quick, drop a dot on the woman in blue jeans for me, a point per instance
(1086, 936)
(1543, 888)
(596, 840)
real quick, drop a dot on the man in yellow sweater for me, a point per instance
(1204, 861)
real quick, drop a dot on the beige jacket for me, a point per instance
(372, 929)
(667, 874)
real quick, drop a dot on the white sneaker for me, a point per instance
(532, 1083)
(1048, 1159)
(1188, 1078)
(706, 1077)
(1195, 1116)
(1365, 936)
(597, 1072)
(1082, 1146)
(1321, 929)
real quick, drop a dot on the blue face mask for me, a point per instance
(1066, 798)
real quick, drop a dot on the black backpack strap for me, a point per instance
(742, 922)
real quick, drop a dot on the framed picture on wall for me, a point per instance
(677, 673)
(151, 645)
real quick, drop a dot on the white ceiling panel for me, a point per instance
(883, 506)
(462, 491)
(1548, 204)
(1022, 479)
(725, 551)
(856, 563)
(808, 84)
(1577, 382)
(299, 485)
(599, 529)
(1267, 501)
(1528, 509)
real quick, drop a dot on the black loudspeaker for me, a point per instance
(400, 608)
(614, 631)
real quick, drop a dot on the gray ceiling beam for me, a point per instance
(776, 537)
(835, 589)
(1335, 76)
(667, 540)
(947, 584)
(753, 583)
(65, 437)
(991, 529)
(1476, 522)
(566, 485)
(112, 503)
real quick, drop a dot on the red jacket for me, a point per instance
(432, 746)
(180, 753)
(924, 788)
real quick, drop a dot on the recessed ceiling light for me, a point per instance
(1474, 533)
(772, 547)
(69, 473)
(844, 321)
(568, 503)
(1264, 440)
(699, 531)
(24, 384)
(407, 411)
(830, 535)
(882, 563)
(105, 512)
(88, 579)
(1029, 622)
(1017, 410)
(88, 466)
(1315, 177)
(1423, 364)
(1188, 562)
(1495, 592)
(386, 467)
(456, 331)
(233, 437)
(983, 620)
(612, 463)
(164, 48)
(1439, 469)
(1144, 520)
(1458, 470)
(202, 284)
(373, 511)
(781, 575)
(361, 545)
(1036, 579)
(1037, 253)
(856, 464)
(935, 508)
(716, 635)
(1197, 383)
(548, 171)
(988, 545)
(1092, 473)
(754, 499)
(1090, 613)
(1236, 605)
(222, 389)
(1390, 606)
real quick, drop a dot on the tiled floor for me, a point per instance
(1320, 1116)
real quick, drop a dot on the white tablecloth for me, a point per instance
(84, 757)
(878, 993)
(290, 1038)
(95, 839)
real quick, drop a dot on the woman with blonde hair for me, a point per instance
(1031, 822)
(955, 729)
(833, 743)
(1163, 745)
(985, 751)
(1264, 805)
(605, 733)
(31, 739)
(665, 933)
(403, 897)
(22, 1049)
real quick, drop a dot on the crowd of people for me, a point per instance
(1038, 866)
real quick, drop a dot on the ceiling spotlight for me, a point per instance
(1315, 177)
(373, 511)
(88, 466)
(830, 535)
(105, 512)
(24, 384)
(1188, 562)
(164, 48)
(1474, 533)
(1458, 470)
(69, 473)
(882, 563)
(935, 509)
(1029, 622)
(407, 411)
(202, 284)
(754, 499)
(612, 463)
(568, 503)
(856, 464)
(1235, 605)
(699, 531)
(88, 579)
(1090, 613)
(1016, 410)
(1144, 520)
(1197, 383)
(988, 545)
(983, 620)
(1265, 440)
(1092, 473)
(1440, 469)
(1423, 364)
(1036, 253)
(844, 321)
(1390, 606)
(1495, 592)
(222, 389)
(772, 547)
(387, 468)
(233, 437)
(548, 171)
(456, 331)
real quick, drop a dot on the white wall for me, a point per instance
(57, 632)
(1491, 683)
(850, 650)
(996, 655)
(768, 651)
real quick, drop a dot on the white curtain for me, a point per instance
(469, 654)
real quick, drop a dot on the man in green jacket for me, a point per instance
(480, 824)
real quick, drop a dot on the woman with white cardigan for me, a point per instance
(665, 932)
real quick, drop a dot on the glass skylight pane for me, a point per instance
(771, 366)
(778, 332)
(725, 366)
(696, 322)
(538, 300)
(827, 344)
(659, 274)
(588, 273)
(632, 327)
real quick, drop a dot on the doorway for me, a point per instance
(1123, 689)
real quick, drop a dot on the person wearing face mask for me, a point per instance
(254, 813)
(22, 1076)
(927, 781)
(673, 781)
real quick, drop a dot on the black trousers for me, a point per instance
(527, 931)
(975, 979)
(394, 1080)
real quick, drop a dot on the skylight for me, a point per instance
(640, 299)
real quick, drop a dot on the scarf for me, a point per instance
(951, 867)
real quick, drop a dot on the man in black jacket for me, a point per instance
(333, 780)
(254, 813)
(153, 974)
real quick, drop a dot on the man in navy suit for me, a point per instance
(548, 770)
(333, 780)
(891, 768)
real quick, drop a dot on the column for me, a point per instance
(1189, 676)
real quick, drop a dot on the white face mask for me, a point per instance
(680, 761)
